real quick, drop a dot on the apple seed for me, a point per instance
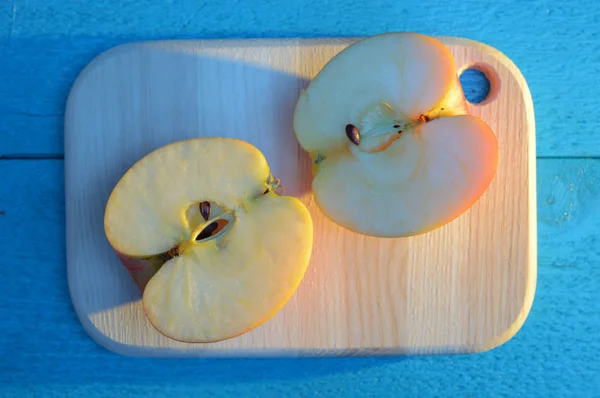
(205, 210)
(353, 134)
(212, 229)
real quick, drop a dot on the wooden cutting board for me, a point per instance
(465, 287)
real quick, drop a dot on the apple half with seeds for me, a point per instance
(394, 148)
(212, 245)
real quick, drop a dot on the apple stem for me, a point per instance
(424, 118)
(173, 252)
(273, 184)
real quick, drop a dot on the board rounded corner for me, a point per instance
(94, 63)
(517, 325)
(101, 339)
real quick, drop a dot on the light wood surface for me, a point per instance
(465, 287)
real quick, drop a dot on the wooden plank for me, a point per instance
(37, 74)
(35, 301)
(43, 46)
(360, 295)
(45, 352)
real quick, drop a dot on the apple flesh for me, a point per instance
(213, 247)
(395, 150)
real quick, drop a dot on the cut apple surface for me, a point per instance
(214, 248)
(395, 151)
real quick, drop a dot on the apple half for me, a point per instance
(394, 148)
(213, 247)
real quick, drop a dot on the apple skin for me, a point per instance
(141, 270)
(395, 151)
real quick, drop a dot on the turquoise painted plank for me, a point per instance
(45, 352)
(44, 44)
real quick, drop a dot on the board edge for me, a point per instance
(117, 347)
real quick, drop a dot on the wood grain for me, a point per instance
(46, 353)
(465, 287)
(44, 45)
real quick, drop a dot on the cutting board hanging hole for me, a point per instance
(480, 83)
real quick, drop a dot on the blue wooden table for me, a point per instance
(45, 352)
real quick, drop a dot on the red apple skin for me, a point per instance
(141, 270)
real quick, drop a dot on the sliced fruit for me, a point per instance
(395, 151)
(212, 246)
